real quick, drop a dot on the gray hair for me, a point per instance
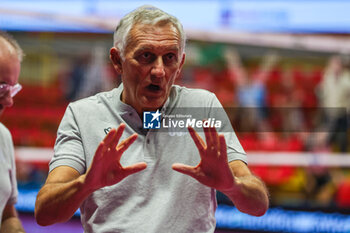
(9, 39)
(148, 15)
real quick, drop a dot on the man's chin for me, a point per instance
(151, 104)
(152, 107)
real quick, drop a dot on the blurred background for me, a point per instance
(280, 68)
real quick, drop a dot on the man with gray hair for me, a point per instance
(132, 185)
(10, 65)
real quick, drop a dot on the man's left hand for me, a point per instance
(213, 170)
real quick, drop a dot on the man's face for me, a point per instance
(9, 72)
(153, 61)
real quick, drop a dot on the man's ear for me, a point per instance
(182, 60)
(116, 59)
(181, 65)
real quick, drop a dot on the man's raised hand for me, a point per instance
(105, 169)
(213, 169)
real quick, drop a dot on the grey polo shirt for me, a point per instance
(157, 199)
(8, 183)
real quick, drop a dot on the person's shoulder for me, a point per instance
(4, 130)
(193, 96)
(193, 92)
(5, 133)
(95, 100)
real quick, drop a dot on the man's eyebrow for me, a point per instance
(151, 47)
(174, 48)
(144, 48)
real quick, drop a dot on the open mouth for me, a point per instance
(153, 87)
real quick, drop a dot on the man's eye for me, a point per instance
(146, 57)
(169, 58)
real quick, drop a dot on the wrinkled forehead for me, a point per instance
(154, 32)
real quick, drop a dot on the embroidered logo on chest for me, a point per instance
(107, 130)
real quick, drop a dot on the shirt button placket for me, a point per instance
(148, 147)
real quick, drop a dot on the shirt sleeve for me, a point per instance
(235, 150)
(68, 150)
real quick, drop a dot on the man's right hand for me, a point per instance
(106, 169)
(65, 189)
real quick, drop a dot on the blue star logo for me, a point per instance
(151, 120)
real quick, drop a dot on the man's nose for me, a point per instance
(158, 68)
